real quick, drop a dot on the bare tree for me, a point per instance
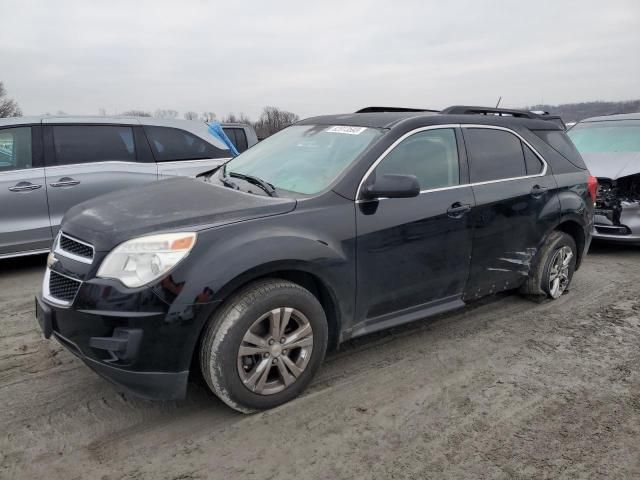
(273, 120)
(136, 113)
(208, 116)
(8, 106)
(102, 112)
(191, 116)
(161, 113)
(233, 118)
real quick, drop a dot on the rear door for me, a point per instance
(182, 153)
(85, 160)
(515, 207)
(24, 217)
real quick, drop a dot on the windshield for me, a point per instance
(606, 136)
(304, 159)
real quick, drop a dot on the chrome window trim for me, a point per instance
(58, 249)
(47, 295)
(436, 127)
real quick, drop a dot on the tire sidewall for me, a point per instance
(224, 369)
(561, 240)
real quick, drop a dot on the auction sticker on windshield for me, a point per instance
(346, 129)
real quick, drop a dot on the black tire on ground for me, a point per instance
(538, 283)
(224, 334)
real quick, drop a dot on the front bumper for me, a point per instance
(626, 231)
(131, 337)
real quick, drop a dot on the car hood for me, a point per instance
(612, 165)
(179, 203)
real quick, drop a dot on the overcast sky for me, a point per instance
(315, 57)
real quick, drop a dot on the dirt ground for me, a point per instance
(506, 388)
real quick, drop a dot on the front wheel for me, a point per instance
(554, 271)
(264, 345)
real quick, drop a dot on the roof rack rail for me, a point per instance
(394, 109)
(503, 112)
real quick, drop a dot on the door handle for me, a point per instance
(458, 209)
(538, 190)
(65, 182)
(24, 187)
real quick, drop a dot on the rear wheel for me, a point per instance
(264, 345)
(556, 264)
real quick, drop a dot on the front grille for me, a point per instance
(63, 288)
(74, 247)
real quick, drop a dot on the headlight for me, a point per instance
(145, 259)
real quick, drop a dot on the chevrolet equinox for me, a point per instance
(335, 227)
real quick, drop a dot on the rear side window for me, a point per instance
(238, 137)
(560, 143)
(432, 156)
(15, 149)
(93, 143)
(494, 155)
(169, 144)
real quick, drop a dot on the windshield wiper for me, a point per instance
(257, 181)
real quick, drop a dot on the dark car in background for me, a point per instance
(333, 228)
(610, 146)
(49, 164)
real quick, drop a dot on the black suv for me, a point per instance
(333, 228)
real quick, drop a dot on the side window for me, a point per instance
(15, 149)
(169, 144)
(241, 140)
(494, 154)
(238, 137)
(531, 160)
(93, 143)
(231, 133)
(432, 156)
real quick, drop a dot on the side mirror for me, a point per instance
(392, 186)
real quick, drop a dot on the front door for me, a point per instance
(84, 161)
(413, 253)
(24, 217)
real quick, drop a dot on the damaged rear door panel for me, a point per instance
(515, 207)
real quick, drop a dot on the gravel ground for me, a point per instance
(506, 388)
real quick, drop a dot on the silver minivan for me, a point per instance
(49, 164)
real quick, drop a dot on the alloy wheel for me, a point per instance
(559, 271)
(275, 351)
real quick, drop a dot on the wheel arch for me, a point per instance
(296, 272)
(576, 231)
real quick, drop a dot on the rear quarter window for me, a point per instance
(561, 143)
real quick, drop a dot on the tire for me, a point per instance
(543, 279)
(243, 379)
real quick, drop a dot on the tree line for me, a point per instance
(271, 120)
(574, 112)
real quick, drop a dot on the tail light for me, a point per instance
(592, 186)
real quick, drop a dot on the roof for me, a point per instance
(119, 119)
(618, 116)
(198, 128)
